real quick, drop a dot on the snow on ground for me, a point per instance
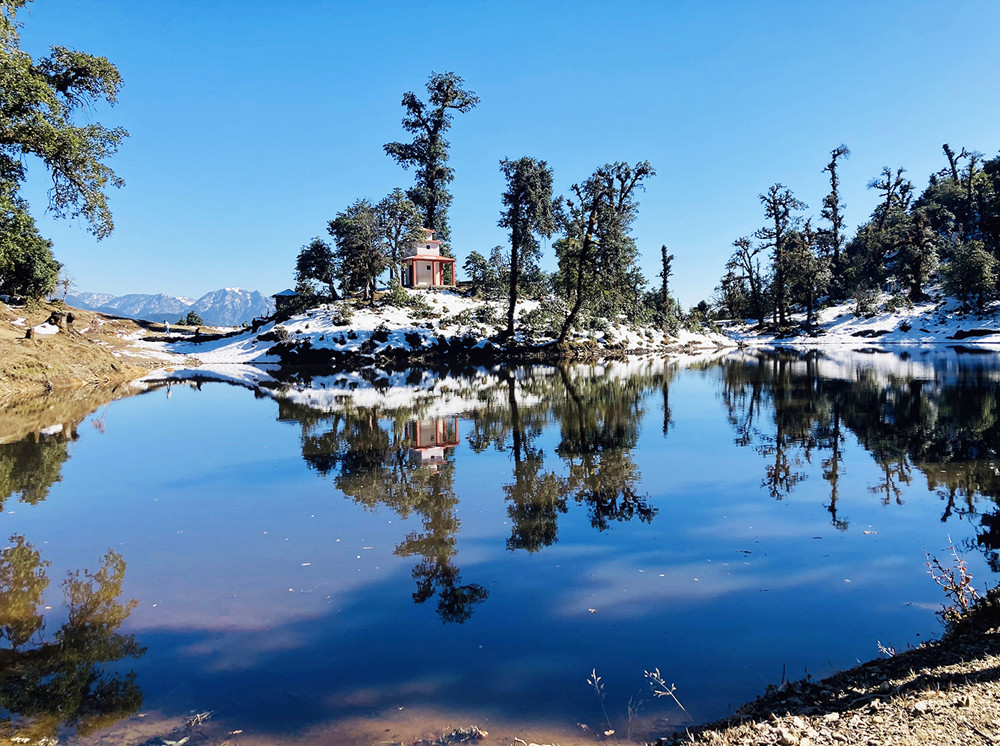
(46, 328)
(938, 320)
(434, 313)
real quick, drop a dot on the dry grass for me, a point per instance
(82, 356)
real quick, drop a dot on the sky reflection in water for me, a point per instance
(481, 547)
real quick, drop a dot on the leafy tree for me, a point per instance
(483, 273)
(315, 264)
(972, 273)
(527, 211)
(808, 273)
(779, 208)
(896, 195)
(22, 583)
(744, 267)
(65, 682)
(872, 253)
(832, 239)
(597, 256)
(39, 103)
(192, 319)
(400, 224)
(27, 267)
(428, 151)
(360, 255)
(917, 255)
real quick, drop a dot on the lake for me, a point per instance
(347, 558)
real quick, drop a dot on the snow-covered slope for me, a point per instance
(437, 319)
(938, 320)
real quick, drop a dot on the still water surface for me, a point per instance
(327, 559)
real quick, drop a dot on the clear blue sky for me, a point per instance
(253, 123)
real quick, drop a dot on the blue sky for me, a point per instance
(253, 123)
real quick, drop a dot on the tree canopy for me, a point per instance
(39, 100)
(527, 211)
(428, 151)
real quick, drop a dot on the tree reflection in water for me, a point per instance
(31, 465)
(380, 465)
(403, 459)
(50, 684)
(944, 424)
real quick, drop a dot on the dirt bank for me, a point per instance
(94, 350)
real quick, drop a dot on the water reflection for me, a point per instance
(403, 465)
(35, 439)
(606, 504)
(30, 466)
(939, 422)
(49, 683)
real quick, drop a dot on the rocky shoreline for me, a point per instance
(943, 692)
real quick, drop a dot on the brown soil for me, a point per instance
(93, 351)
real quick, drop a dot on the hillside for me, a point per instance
(94, 351)
(938, 320)
(436, 325)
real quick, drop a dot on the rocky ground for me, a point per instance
(944, 692)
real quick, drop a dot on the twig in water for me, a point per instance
(595, 681)
(660, 688)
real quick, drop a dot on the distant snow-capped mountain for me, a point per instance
(224, 307)
(149, 307)
(232, 306)
(89, 301)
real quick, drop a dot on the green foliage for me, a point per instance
(743, 290)
(898, 302)
(192, 319)
(917, 254)
(484, 275)
(971, 275)
(29, 468)
(597, 257)
(37, 110)
(428, 151)
(528, 210)
(780, 206)
(22, 583)
(807, 271)
(27, 267)
(832, 239)
(546, 318)
(360, 257)
(65, 682)
(400, 224)
(315, 265)
(865, 299)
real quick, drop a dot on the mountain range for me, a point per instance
(223, 307)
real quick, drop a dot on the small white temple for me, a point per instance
(423, 265)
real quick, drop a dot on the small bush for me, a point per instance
(864, 301)
(342, 315)
(487, 314)
(381, 333)
(897, 302)
(546, 319)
